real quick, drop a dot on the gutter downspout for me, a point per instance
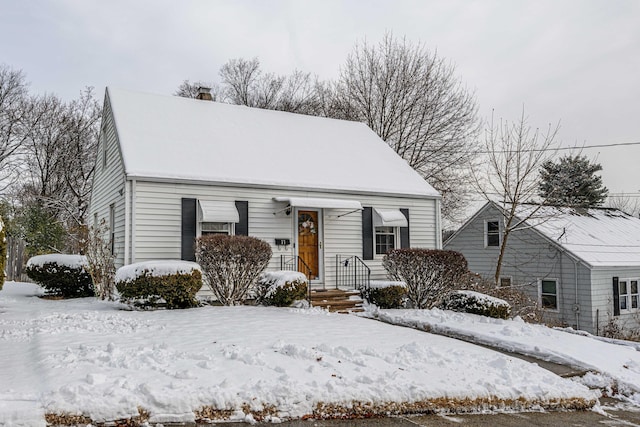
(127, 221)
(133, 221)
(576, 307)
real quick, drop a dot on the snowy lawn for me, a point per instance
(88, 357)
(614, 364)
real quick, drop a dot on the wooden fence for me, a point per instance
(15, 259)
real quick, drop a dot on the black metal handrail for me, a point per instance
(351, 271)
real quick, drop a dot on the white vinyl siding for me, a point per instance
(108, 185)
(158, 221)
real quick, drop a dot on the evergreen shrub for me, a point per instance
(477, 303)
(281, 288)
(61, 275)
(389, 295)
(153, 284)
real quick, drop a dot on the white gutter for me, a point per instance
(133, 221)
(127, 221)
(438, 230)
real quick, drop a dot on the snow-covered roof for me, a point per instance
(170, 137)
(601, 237)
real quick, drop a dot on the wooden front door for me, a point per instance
(308, 247)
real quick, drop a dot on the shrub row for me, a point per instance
(386, 294)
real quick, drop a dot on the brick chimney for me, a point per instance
(204, 93)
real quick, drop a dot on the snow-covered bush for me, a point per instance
(477, 303)
(3, 252)
(522, 304)
(430, 274)
(231, 264)
(61, 275)
(281, 288)
(150, 284)
(386, 294)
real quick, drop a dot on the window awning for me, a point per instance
(389, 218)
(217, 211)
(309, 202)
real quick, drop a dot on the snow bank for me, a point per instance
(71, 261)
(620, 363)
(88, 357)
(155, 268)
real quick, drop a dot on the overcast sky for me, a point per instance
(577, 62)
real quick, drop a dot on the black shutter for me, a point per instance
(405, 242)
(367, 233)
(616, 297)
(188, 231)
(242, 227)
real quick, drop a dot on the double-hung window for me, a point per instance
(628, 293)
(549, 293)
(492, 233)
(216, 228)
(387, 224)
(385, 239)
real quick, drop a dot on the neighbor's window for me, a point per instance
(628, 293)
(492, 237)
(216, 228)
(549, 293)
(385, 239)
(505, 281)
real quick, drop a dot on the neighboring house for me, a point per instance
(583, 265)
(328, 195)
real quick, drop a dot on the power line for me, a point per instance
(536, 150)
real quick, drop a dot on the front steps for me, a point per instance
(337, 300)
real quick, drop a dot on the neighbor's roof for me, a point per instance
(186, 139)
(601, 237)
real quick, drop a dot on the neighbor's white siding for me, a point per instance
(158, 219)
(109, 182)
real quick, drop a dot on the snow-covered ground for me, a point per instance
(89, 357)
(612, 363)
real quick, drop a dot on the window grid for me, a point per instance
(385, 239)
(493, 233)
(628, 290)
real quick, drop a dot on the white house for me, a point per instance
(329, 195)
(583, 265)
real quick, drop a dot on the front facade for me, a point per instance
(573, 262)
(326, 230)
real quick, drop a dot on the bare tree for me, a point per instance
(628, 203)
(514, 155)
(13, 108)
(244, 83)
(58, 160)
(191, 90)
(413, 100)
